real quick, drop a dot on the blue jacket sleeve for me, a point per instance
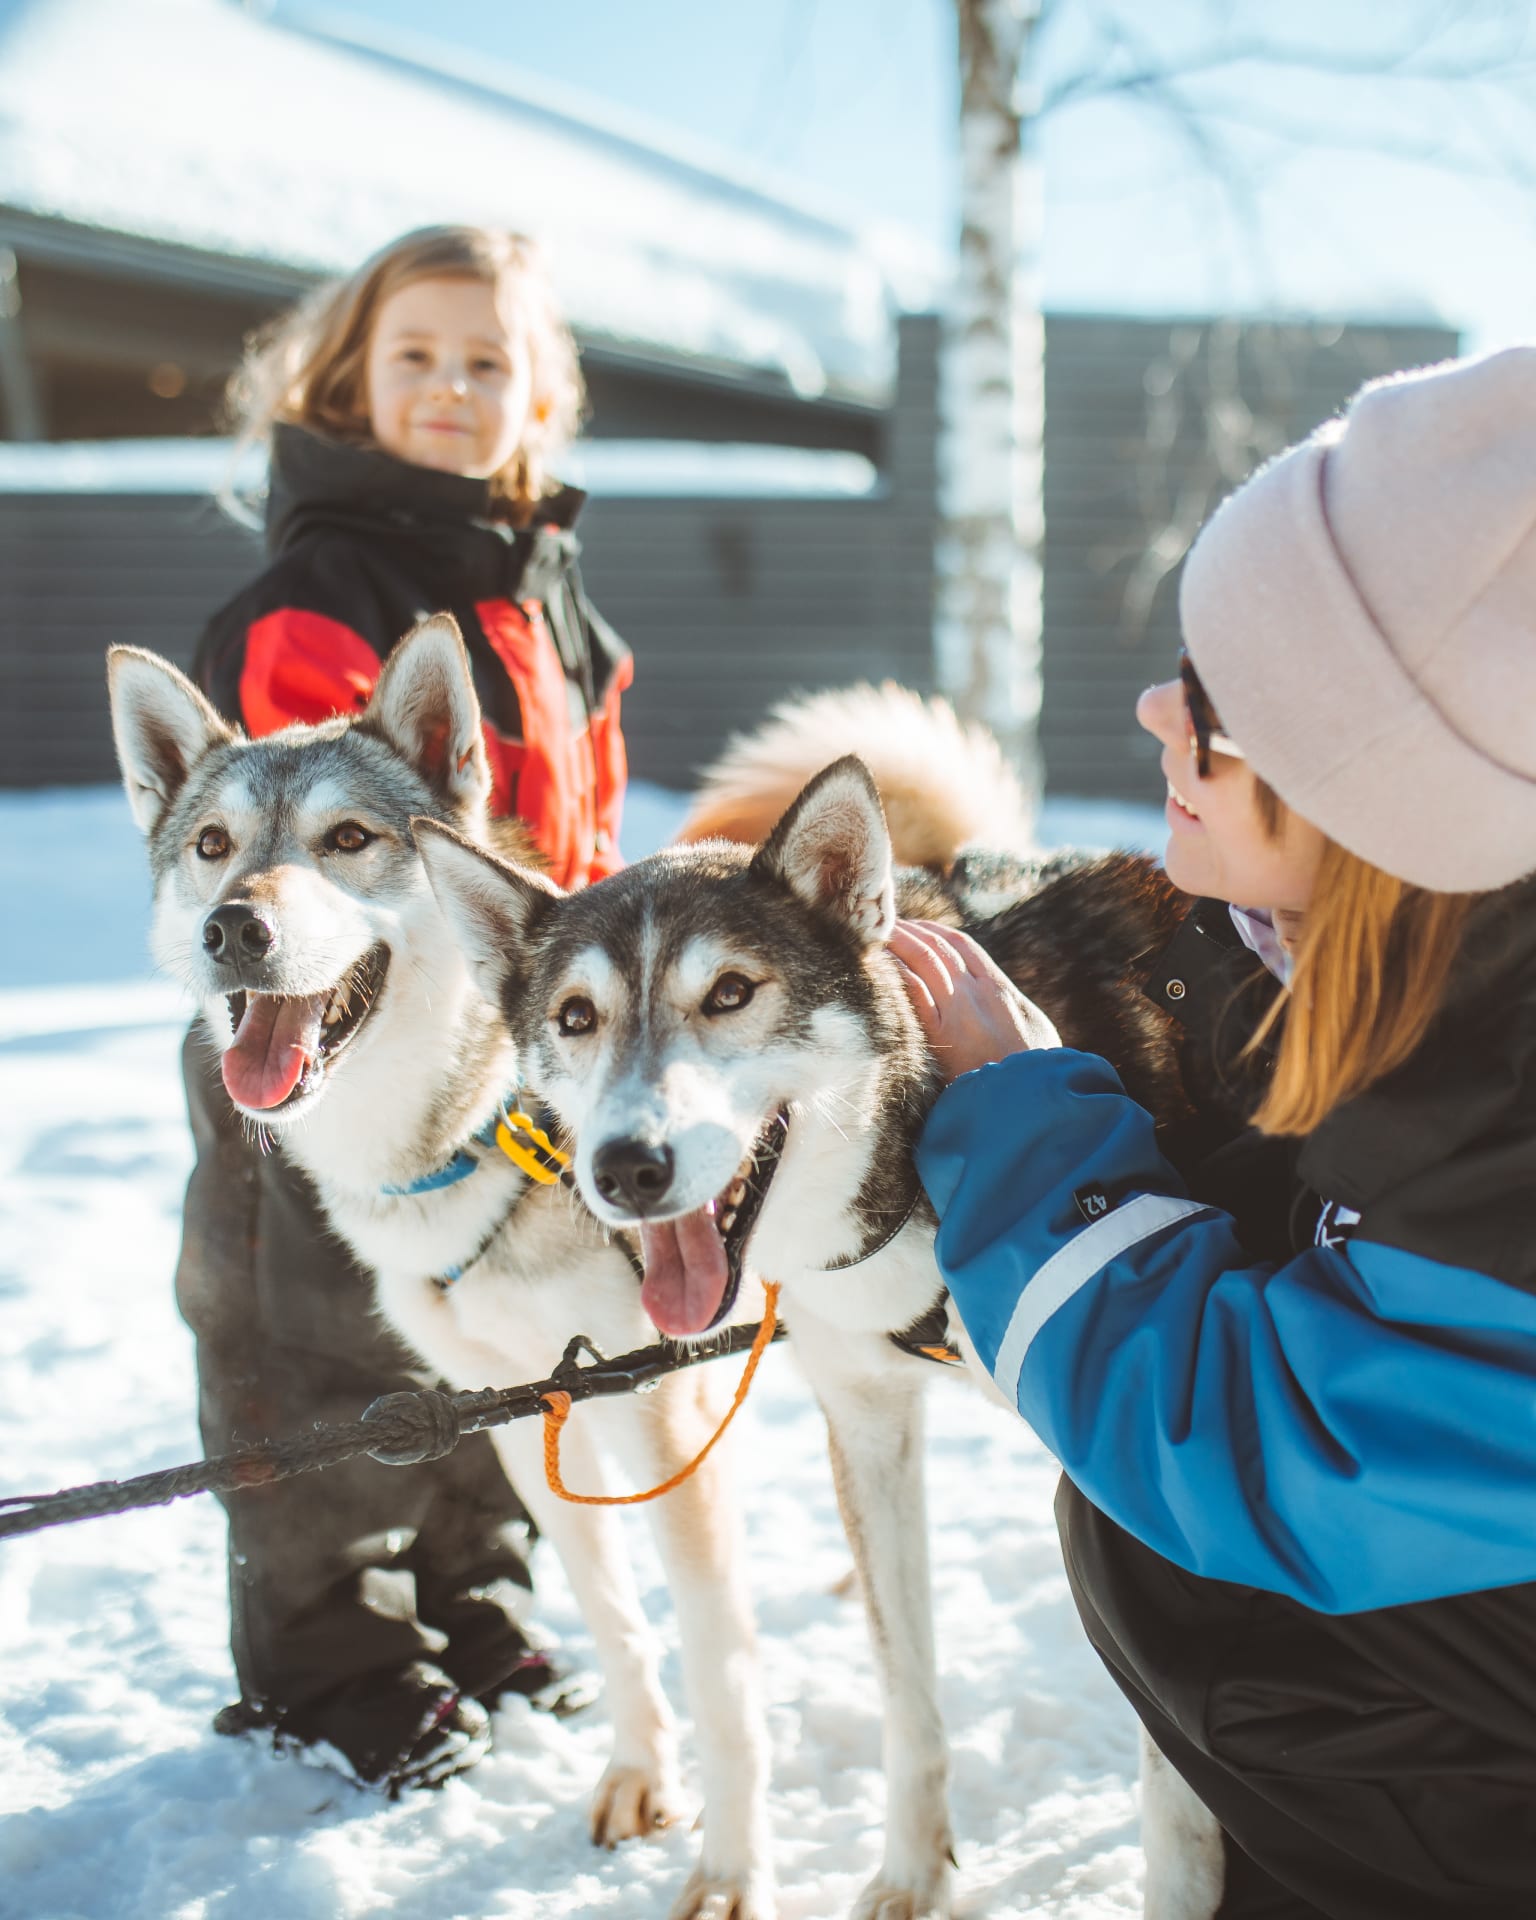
(1356, 1428)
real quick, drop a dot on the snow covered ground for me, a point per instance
(119, 1803)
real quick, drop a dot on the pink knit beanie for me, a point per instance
(1363, 615)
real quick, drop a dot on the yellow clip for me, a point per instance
(542, 1160)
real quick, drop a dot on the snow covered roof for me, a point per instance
(265, 135)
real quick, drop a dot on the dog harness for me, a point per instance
(880, 1240)
(524, 1141)
(927, 1338)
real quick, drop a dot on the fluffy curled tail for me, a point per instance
(945, 785)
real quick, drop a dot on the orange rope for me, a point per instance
(557, 1408)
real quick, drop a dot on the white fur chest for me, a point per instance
(807, 1224)
(423, 1236)
(883, 1294)
(548, 1274)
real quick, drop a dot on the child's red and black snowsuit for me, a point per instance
(355, 1591)
(363, 546)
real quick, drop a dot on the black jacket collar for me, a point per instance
(318, 481)
(1217, 990)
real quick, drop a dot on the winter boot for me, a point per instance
(391, 1731)
(548, 1684)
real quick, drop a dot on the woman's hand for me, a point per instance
(970, 1010)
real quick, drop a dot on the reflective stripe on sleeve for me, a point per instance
(1073, 1266)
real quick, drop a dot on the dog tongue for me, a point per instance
(685, 1272)
(275, 1039)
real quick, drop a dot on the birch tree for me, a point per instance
(992, 401)
(988, 562)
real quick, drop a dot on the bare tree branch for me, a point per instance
(1405, 58)
(1221, 399)
(766, 119)
(1314, 134)
(1403, 61)
(1218, 162)
(1197, 397)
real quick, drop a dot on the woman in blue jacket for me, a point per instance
(1299, 1428)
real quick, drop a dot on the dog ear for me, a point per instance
(162, 727)
(833, 849)
(489, 903)
(425, 707)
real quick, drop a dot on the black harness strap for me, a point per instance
(881, 1239)
(928, 1336)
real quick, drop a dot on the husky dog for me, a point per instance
(728, 1042)
(944, 785)
(290, 898)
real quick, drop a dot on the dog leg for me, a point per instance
(1186, 1861)
(700, 1539)
(875, 1427)
(638, 1792)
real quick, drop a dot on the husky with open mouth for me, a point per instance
(290, 898)
(726, 1037)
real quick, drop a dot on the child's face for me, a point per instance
(449, 386)
(1218, 845)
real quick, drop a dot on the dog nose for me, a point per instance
(237, 932)
(633, 1173)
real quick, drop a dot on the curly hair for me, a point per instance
(308, 366)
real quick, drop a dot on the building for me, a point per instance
(146, 228)
(171, 172)
(764, 420)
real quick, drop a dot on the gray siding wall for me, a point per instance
(732, 603)
(78, 573)
(728, 603)
(1149, 424)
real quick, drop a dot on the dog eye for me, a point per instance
(213, 844)
(729, 994)
(576, 1015)
(349, 837)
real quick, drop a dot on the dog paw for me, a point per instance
(631, 1802)
(883, 1899)
(724, 1896)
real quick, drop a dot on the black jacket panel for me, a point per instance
(1378, 1765)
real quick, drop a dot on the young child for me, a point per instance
(410, 413)
(1299, 1466)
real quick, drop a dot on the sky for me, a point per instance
(1264, 185)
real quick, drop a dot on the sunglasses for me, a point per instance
(1205, 734)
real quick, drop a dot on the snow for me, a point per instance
(615, 469)
(246, 133)
(120, 1802)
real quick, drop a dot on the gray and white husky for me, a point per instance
(290, 898)
(727, 1040)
